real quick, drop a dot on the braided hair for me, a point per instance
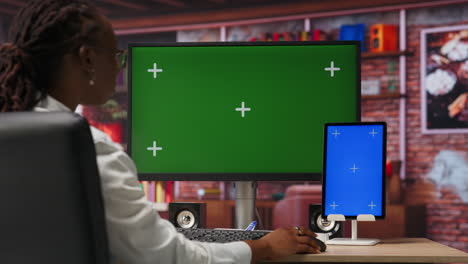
(40, 35)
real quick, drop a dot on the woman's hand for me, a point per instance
(283, 242)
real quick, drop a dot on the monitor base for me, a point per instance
(353, 242)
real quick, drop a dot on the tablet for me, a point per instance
(353, 180)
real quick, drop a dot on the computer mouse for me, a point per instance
(320, 243)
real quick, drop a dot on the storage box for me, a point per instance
(353, 32)
(383, 38)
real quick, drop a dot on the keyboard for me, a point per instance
(221, 235)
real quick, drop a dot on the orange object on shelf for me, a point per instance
(383, 38)
(113, 129)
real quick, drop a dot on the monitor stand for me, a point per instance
(353, 241)
(245, 202)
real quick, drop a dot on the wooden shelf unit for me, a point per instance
(382, 96)
(371, 55)
(384, 54)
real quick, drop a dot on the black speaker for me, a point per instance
(187, 215)
(320, 225)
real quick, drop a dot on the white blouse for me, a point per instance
(136, 232)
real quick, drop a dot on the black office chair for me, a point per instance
(51, 208)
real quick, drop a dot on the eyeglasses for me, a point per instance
(121, 58)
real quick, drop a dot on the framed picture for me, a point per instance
(444, 80)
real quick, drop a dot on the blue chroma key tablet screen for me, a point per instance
(354, 169)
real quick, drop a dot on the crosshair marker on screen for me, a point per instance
(154, 148)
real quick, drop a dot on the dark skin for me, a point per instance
(281, 243)
(72, 87)
(97, 63)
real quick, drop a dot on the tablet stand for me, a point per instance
(353, 241)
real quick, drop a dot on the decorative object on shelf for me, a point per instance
(209, 193)
(114, 127)
(320, 35)
(392, 80)
(109, 118)
(256, 32)
(115, 110)
(383, 38)
(444, 80)
(370, 87)
(201, 35)
(292, 36)
(121, 85)
(354, 32)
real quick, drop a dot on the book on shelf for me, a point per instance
(145, 186)
(158, 191)
(151, 191)
(169, 191)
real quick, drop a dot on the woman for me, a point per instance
(63, 53)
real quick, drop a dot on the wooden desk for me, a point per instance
(402, 250)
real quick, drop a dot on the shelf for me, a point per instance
(371, 55)
(382, 96)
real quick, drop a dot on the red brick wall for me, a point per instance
(447, 220)
(447, 217)
(386, 110)
(421, 149)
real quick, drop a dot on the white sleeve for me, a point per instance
(136, 232)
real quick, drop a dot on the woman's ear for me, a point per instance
(87, 57)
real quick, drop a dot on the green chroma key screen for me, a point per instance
(238, 111)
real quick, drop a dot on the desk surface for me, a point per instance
(402, 250)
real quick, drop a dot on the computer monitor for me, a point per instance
(250, 111)
(354, 169)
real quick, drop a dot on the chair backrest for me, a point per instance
(51, 208)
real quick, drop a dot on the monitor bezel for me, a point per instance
(384, 160)
(222, 176)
